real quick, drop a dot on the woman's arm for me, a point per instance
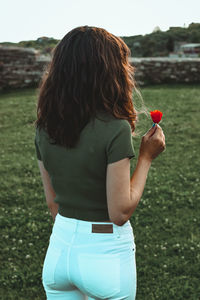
(48, 190)
(137, 184)
(153, 143)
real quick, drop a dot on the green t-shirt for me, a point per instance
(78, 175)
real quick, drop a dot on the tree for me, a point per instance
(170, 44)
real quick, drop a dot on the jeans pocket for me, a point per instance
(100, 274)
(49, 267)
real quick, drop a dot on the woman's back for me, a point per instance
(78, 175)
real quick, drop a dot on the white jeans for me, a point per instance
(81, 264)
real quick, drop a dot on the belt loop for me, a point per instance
(118, 230)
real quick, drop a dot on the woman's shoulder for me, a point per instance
(111, 126)
(110, 118)
(117, 122)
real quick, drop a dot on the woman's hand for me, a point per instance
(153, 143)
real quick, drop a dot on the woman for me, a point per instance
(84, 126)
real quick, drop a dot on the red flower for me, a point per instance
(156, 116)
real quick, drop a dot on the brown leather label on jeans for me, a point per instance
(102, 228)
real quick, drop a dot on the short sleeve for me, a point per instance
(120, 143)
(39, 157)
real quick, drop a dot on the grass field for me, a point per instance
(166, 223)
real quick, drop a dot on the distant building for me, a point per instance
(183, 49)
(157, 29)
(192, 50)
(177, 46)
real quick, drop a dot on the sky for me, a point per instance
(30, 19)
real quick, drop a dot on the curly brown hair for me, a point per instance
(89, 72)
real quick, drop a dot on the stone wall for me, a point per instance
(20, 67)
(155, 70)
(23, 67)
